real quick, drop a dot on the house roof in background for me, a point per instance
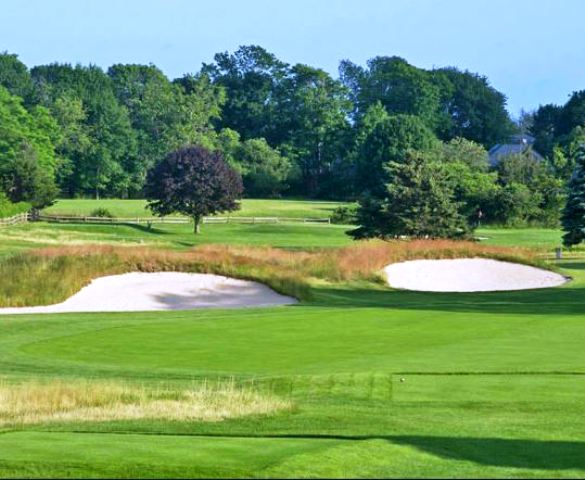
(518, 144)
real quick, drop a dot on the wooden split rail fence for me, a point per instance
(14, 220)
(177, 220)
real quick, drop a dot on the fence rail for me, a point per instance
(14, 220)
(177, 220)
(89, 219)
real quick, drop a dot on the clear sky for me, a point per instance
(531, 50)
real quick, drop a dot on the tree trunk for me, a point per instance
(197, 225)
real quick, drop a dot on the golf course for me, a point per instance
(356, 379)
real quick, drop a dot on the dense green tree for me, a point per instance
(468, 152)
(15, 77)
(466, 166)
(572, 114)
(474, 109)
(400, 87)
(166, 115)
(110, 165)
(565, 153)
(199, 107)
(573, 219)
(264, 170)
(152, 103)
(530, 191)
(193, 181)
(544, 128)
(374, 115)
(27, 152)
(74, 143)
(250, 77)
(389, 141)
(419, 202)
(313, 111)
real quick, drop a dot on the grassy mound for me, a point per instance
(51, 275)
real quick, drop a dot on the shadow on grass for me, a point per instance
(145, 228)
(490, 452)
(559, 301)
(499, 452)
(573, 265)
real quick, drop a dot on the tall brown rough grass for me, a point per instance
(93, 401)
(53, 274)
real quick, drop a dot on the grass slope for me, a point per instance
(250, 208)
(494, 384)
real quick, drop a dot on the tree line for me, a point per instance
(410, 144)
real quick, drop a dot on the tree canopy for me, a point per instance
(574, 213)
(195, 182)
(288, 129)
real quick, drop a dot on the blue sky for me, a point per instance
(533, 51)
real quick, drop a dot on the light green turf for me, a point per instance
(250, 208)
(174, 236)
(494, 385)
(385, 383)
(521, 237)
(181, 236)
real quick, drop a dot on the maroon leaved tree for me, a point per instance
(195, 182)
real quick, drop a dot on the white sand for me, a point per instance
(468, 275)
(138, 291)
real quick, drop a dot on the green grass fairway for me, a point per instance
(494, 386)
(250, 208)
(522, 237)
(39, 234)
(385, 383)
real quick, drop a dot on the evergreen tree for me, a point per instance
(574, 214)
(419, 202)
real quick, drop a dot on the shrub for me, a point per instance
(9, 209)
(345, 215)
(101, 212)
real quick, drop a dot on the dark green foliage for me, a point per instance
(312, 122)
(572, 114)
(544, 128)
(419, 203)
(27, 153)
(264, 169)
(250, 77)
(466, 165)
(474, 109)
(528, 192)
(400, 87)
(389, 141)
(164, 115)
(195, 182)
(101, 156)
(450, 102)
(345, 215)
(288, 129)
(15, 77)
(101, 212)
(573, 218)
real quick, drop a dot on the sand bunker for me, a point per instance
(137, 291)
(468, 275)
